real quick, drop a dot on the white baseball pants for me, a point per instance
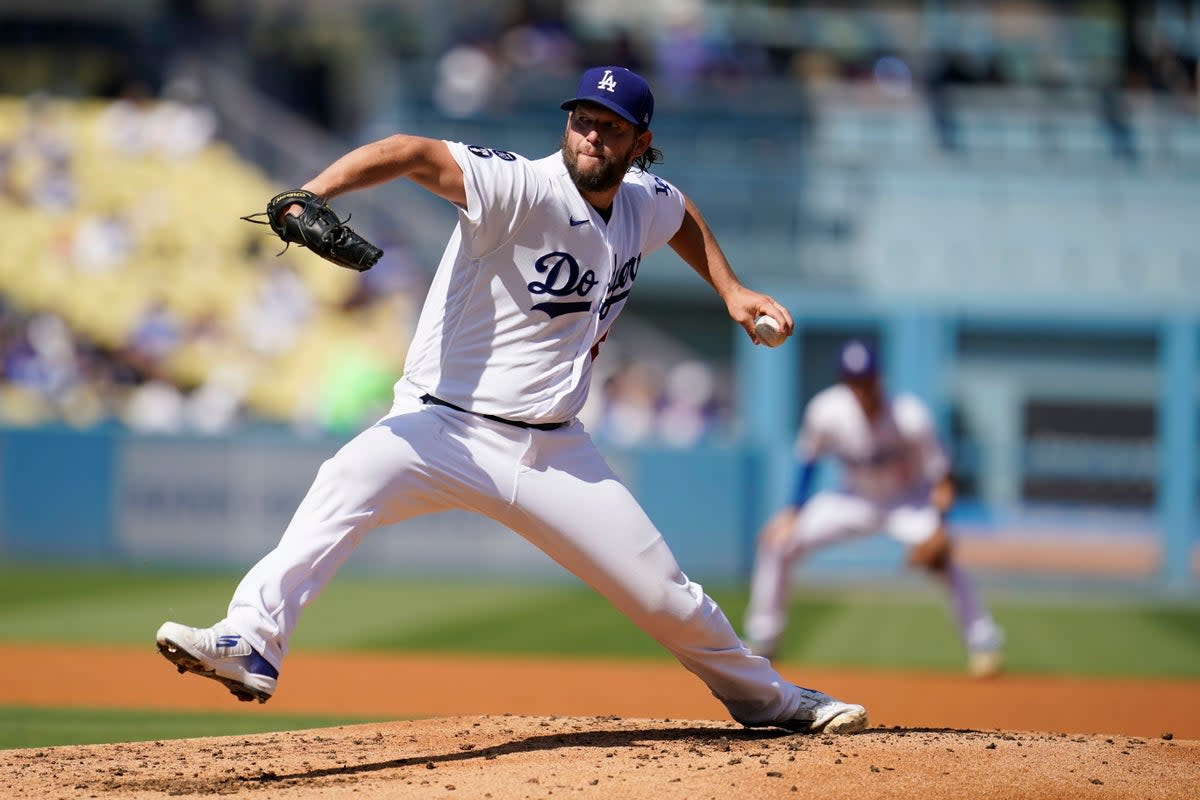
(830, 517)
(826, 518)
(552, 487)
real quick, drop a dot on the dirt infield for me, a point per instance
(532, 728)
(603, 757)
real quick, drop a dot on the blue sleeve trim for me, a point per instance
(804, 479)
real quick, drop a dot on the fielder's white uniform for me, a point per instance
(530, 282)
(890, 464)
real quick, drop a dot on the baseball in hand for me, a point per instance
(768, 331)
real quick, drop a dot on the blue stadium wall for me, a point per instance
(111, 496)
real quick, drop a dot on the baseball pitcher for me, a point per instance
(542, 261)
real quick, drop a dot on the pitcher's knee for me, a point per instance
(678, 610)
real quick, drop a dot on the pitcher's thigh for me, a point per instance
(384, 471)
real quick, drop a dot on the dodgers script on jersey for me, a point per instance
(882, 459)
(539, 257)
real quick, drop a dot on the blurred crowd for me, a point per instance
(640, 402)
(130, 300)
(61, 368)
(52, 371)
(167, 366)
(53, 374)
(697, 51)
(338, 64)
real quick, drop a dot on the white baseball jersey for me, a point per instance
(882, 459)
(530, 281)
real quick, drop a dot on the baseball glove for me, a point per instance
(317, 228)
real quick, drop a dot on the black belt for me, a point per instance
(540, 426)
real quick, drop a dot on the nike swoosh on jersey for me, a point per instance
(575, 222)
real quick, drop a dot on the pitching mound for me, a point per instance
(610, 757)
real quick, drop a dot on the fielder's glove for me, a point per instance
(317, 228)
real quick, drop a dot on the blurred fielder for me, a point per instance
(540, 264)
(896, 479)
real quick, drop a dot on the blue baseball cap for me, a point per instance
(857, 360)
(619, 90)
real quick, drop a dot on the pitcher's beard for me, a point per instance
(604, 176)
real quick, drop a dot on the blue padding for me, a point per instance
(698, 499)
(58, 490)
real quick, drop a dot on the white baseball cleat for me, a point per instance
(985, 649)
(222, 654)
(820, 713)
(985, 663)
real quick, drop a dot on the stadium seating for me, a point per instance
(153, 227)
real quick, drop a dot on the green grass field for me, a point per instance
(39, 727)
(902, 626)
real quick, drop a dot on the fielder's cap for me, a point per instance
(857, 360)
(619, 90)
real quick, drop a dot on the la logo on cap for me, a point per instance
(608, 83)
